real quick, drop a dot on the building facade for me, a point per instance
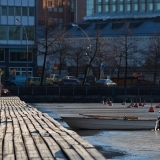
(57, 11)
(90, 8)
(17, 37)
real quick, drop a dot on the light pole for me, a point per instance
(17, 20)
(74, 25)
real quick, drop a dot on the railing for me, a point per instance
(83, 90)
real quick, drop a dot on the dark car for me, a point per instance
(70, 82)
(105, 82)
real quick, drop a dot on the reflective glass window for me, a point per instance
(150, 6)
(90, 7)
(99, 8)
(4, 10)
(157, 6)
(20, 55)
(24, 11)
(113, 8)
(135, 7)
(106, 8)
(120, 7)
(18, 11)
(11, 11)
(1, 54)
(30, 33)
(142, 7)
(3, 32)
(31, 11)
(14, 33)
(128, 7)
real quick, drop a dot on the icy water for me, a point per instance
(115, 145)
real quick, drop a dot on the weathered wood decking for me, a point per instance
(28, 134)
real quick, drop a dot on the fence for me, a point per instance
(83, 90)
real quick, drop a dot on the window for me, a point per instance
(11, 11)
(49, 3)
(150, 6)
(99, 8)
(4, 10)
(157, 6)
(3, 32)
(31, 11)
(89, 7)
(14, 33)
(19, 55)
(142, 7)
(18, 11)
(128, 8)
(1, 54)
(30, 33)
(120, 7)
(24, 11)
(106, 8)
(135, 7)
(113, 8)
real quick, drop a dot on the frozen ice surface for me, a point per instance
(137, 145)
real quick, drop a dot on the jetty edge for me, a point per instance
(28, 134)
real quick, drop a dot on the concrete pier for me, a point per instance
(28, 134)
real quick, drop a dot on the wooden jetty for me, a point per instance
(28, 134)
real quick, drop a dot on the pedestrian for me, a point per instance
(105, 99)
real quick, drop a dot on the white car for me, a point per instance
(105, 82)
(69, 77)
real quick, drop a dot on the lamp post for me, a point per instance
(74, 25)
(17, 20)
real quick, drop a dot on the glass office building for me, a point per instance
(121, 7)
(111, 6)
(17, 36)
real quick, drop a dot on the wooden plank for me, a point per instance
(69, 140)
(82, 152)
(55, 149)
(9, 157)
(82, 141)
(41, 146)
(95, 154)
(72, 154)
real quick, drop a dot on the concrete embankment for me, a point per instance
(26, 133)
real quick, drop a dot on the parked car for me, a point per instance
(54, 78)
(35, 81)
(105, 82)
(91, 79)
(15, 81)
(70, 82)
(69, 77)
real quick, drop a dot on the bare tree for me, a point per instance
(153, 55)
(124, 48)
(61, 50)
(77, 56)
(103, 53)
(48, 34)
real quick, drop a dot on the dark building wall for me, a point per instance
(79, 10)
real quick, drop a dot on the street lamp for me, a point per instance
(17, 20)
(74, 25)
